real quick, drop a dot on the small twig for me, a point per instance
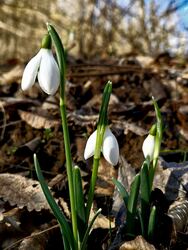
(30, 236)
(4, 122)
(10, 123)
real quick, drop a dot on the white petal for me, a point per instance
(110, 147)
(48, 75)
(90, 145)
(30, 72)
(148, 146)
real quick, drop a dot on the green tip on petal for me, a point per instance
(153, 130)
(48, 25)
(46, 42)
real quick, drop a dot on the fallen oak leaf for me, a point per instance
(22, 192)
(101, 221)
(139, 243)
(28, 148)
(38, 119)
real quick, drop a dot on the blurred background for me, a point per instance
(95, 28)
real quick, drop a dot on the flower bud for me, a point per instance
(148, 146)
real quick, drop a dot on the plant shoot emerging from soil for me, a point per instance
(141, 213)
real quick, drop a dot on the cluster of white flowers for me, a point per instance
(44, 66)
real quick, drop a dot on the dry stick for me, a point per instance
(4, 122)
(30, 236)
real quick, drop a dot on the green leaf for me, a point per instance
(62, 69)
(145, 192)
(133, 197)
(101, 127)
(144, 182)
(79, 201)
(141, 220)
(123, 192)
(59, 51)
(104, 106)
(152, 223)
(159, 133)
(132, 205)
(65, 228)
(84, 242)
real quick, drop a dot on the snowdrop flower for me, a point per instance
(110, 147)
(148, 146)
(43, 66)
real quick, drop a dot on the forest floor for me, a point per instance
(30, 123)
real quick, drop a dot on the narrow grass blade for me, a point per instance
(65, 228)
(132, 205)
(141, 220)
(123, 192)
(59, 51)
(144, 182)
(145, 194)
(152, 223)
(102, 123)
(79, 201)
(84, 242)
(159, 133)
(104, 106)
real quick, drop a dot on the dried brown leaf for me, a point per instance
(105, 186)
(12, 217)
(172, 179)
(32, 244)
(59, 181)
(178, 211)
(82, 120)
(128, 126)
(101, 221)
(50, 103)
(184, 75)
(65, 207)
(14, 75)
(157, 89)
(139, 243)
(29, 147)
(21, 191)
(38, 240)
(13, 102)
(40, 120)
(145, 61)
(126, 174)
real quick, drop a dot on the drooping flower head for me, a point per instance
(43, 66)
(110, 147)
(148, 146)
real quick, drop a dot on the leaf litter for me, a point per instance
(33, 125)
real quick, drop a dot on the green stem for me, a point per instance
(100, 134)
(69, 167)
(92, 187)
(61, 62)
(158, 139)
